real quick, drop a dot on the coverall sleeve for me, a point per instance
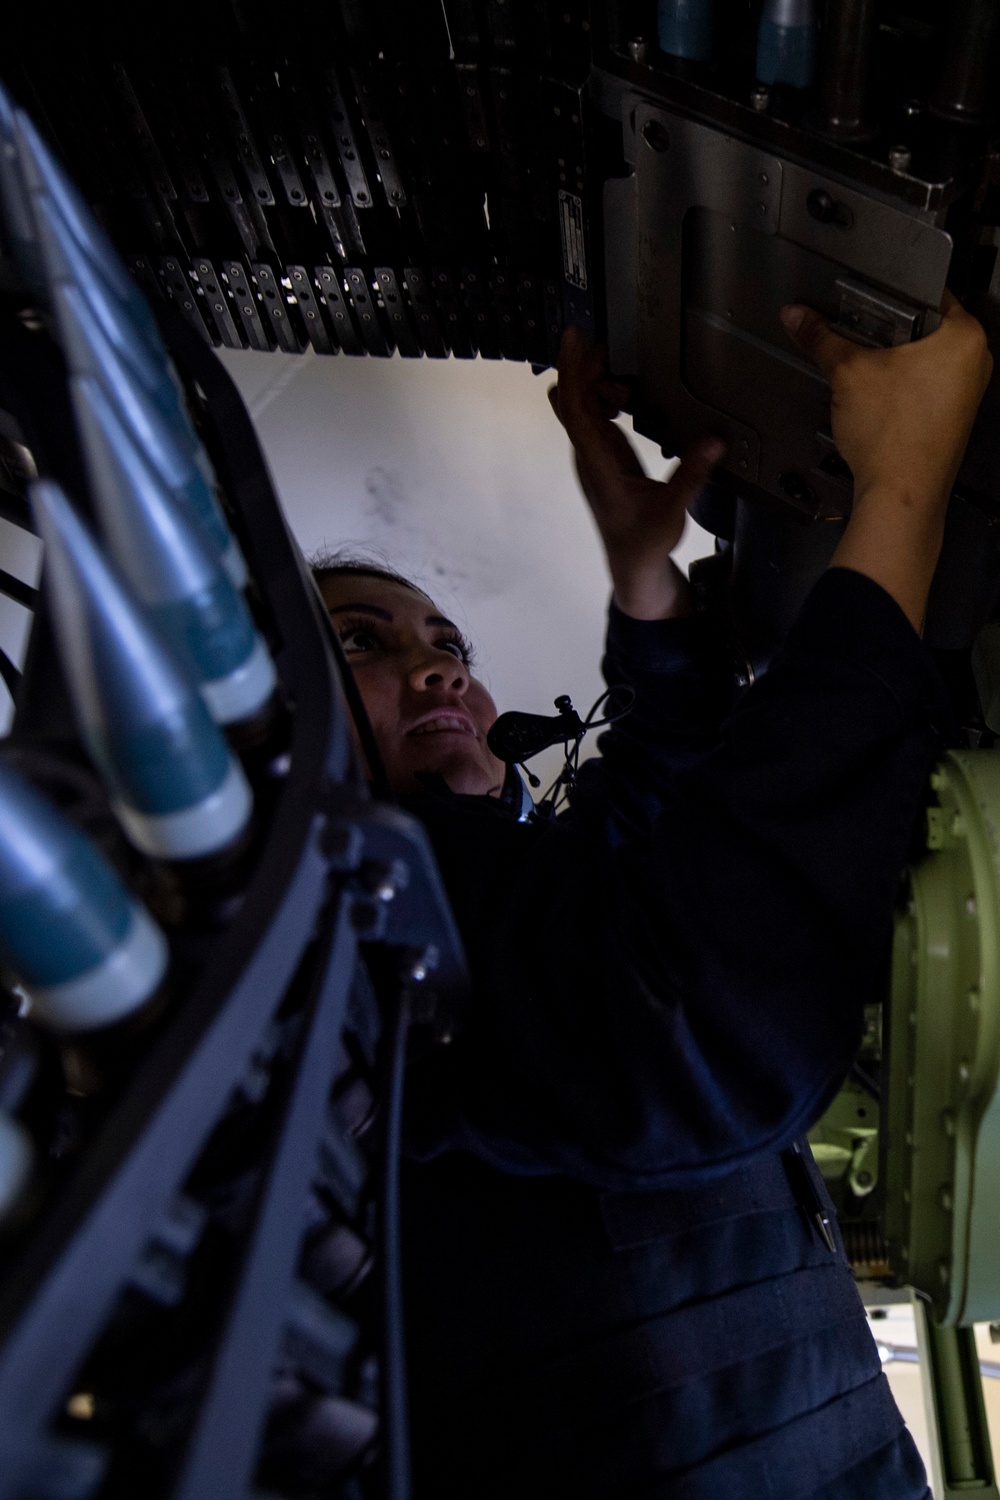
(655, 1009)
(681, 673)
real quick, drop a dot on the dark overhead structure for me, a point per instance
(465, 177)
(199, 1293)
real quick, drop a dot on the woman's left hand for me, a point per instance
(640, 520)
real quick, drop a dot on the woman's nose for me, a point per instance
(440, 669)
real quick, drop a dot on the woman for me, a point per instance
(617, 1281)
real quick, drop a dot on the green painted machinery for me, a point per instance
(942, 1111)
(910, 1147)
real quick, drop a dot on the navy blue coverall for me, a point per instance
(612, 1290)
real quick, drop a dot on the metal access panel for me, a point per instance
(705, 240)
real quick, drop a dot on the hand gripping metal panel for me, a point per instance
(705, 241)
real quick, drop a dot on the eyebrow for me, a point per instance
(384, 614)
(360, 609)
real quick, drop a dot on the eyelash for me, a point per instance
(365, 627)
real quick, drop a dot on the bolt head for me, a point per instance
(760, 98)
(656, 136)
(900, 158)
(638, 49)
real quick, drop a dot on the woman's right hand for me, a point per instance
(901, 419)
(640, 520)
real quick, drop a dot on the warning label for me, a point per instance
(573, 246)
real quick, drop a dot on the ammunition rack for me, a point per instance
(208, 1275)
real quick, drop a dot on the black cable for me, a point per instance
(611, 718)
(559, 790)
(395, 1439)
(380, 784)
(379, 776)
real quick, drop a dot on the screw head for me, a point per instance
(760, 98)
(900, 158)
(821, 206)
(656, 135)
(638, 49)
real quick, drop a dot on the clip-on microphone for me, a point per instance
(516, 737)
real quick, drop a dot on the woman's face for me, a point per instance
(427, 711)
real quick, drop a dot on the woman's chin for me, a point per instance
(467, 774)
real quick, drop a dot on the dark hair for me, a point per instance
(341, 564)
(337, 564)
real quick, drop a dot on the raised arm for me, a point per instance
(639, 520)
(901, 419)
(654, 1009)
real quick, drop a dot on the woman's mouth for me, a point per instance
(444, 721)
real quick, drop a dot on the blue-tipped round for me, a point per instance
(687, 28)
(786, 43)
(15, 204)
(143, 418)
(68, 266)
(170, 569)
(174, 784)
(44, 175)
(86, 952)
(107, 329)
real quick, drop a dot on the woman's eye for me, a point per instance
(358, 640)
(455, 647)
